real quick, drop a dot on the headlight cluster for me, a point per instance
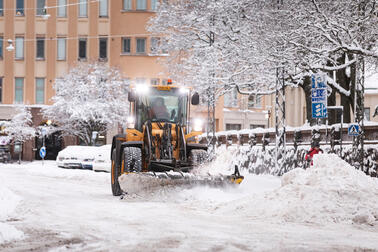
(197, 124)
(130, 122)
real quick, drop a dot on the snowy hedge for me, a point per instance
(259, 161)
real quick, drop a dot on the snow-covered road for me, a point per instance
(73, 209)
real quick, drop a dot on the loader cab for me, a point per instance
(160, 104)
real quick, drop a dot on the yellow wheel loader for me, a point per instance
(158, 143)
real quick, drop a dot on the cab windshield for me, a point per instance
(161, 106)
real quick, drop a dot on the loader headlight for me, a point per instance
(184, 90)
(197, 125)
(142, 89)
(130, 122)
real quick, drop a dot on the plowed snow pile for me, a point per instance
(8, 202)
(331, 191)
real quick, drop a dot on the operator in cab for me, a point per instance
(158, 109)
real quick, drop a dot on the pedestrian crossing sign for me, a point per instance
(354, 130)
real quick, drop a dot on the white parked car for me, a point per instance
(102, 161)
(76, 156)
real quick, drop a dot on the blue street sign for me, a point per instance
(354, 130)
(42, 152)
(319, 110)
(318, 81)
(319, 96)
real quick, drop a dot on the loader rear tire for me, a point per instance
(132, 159)
(115, 173)
(198, 157)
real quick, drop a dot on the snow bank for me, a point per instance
(8, 203)
(331, 191)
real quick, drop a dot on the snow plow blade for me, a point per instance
(137, 183)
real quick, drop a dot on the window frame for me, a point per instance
(140, 9)
(61, 6)
(123, 45)
(16, 50)
(80, 15)
(367, 113)
(124, 5)
(155, 81)
(255, 105)
(86, 48)
(1, 46)
(232, 99)
(153, 3)
(158, 41)
(1, 89)
(17, 88)
(107, 9)
(38, 9)
(22, 10)
(106, 48)
(2, 8)
(145, 45)
(65, 48)
(232, 125)
(36, 48)
(39, 89)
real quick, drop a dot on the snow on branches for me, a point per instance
(91, 97)
(20, 128)
(252, 38)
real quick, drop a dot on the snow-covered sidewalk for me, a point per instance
(60, 209)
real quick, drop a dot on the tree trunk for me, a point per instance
(331, 101)
(306, 86)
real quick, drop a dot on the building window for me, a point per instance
(126, 45)
(141, 5)
(40, 48)
(255, 126)
(103, 8)
(141, 45)
(153, 5)
(155, 42)
(19, 90)
(83, 8)
(19, 48)
(61, 49)
(82, 48)
(40, 7)
(103, 48)
(20, 7)
(1, 90)
(127, 4)
(1, 8)
(233, 126)
(231, 98)
(367, 114)
(254, 101)
(1, 47)
(62, 8)
(155, 81)
(39, 90)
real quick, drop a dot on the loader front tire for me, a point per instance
(132, 159)
(115, 173)
(198, 157)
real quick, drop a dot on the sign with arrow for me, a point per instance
(319, 96)
(42, 152)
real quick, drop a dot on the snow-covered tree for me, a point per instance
(20, 128)
(91, 97)
(253, 38)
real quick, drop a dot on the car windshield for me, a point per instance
(162, 106)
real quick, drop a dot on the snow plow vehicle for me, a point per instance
(157, 145)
